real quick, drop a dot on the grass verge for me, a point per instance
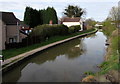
(112, 56)
(16, 51)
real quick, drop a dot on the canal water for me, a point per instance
(66, 62)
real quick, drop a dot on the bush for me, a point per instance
(108, 28)
(42, 32)
(73, 29)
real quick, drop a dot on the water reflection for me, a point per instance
(64, 63)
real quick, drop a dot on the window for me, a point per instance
(26, 31)
(10, 40)
(13, 40)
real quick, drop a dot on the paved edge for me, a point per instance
(14, 61)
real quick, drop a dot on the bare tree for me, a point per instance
(114, 13)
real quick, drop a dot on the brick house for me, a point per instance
(10, 29)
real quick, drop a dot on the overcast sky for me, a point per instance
(97, 9)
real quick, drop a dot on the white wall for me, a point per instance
(71, 23)
(68, 24)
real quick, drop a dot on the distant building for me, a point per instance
(72, 21)
(10, 29)
(98, 25)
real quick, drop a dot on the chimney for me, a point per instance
(72, 16)
(51, 22)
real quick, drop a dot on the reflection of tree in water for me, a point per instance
(74, 52)
(77, 50)
(67, 48)
(83, 46)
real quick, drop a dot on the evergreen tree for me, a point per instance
(27, 16)
(55, 21)
(51, 15)
(33, 17)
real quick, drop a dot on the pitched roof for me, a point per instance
(75, 19)
(23, 24)
(9, 18)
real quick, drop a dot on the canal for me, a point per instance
(66, 62)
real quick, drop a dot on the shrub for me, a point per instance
(42, 32)
(108, 28)
(73, 29)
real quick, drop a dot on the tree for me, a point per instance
(43, 16)
(55, 18)
(74, 11)
(27, 16)
(51, 15)
(33, 17)
(91, 22)
(113, 14)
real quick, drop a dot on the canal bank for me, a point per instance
(13, 62)
(109, 69)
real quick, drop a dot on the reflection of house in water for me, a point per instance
(82, 45)
(77, 50)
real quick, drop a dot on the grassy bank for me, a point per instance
(16, 51)
(112, 55)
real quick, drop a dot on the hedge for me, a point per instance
(73, 29)
(43, 32)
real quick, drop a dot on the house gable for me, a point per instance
(9, 18)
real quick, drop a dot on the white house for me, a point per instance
(72, 22)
